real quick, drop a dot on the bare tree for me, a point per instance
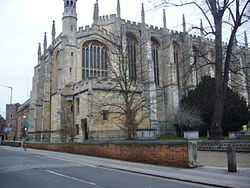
(233, 14)
(187, 118)
(126, 103)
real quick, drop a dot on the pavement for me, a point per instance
(206, 158)
(216, 176)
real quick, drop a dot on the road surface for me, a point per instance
(26, 170)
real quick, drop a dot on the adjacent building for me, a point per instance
(11, 121)
(2, 128)
(22, 119)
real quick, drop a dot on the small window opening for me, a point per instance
(77, 129)
(67, 2)
(77, 105)
(71, 27)
(72, 53)
(70, 69)
(105, 114)
(71, 2)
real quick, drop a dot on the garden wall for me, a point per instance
(221, 145)
(11, 143)
(167, 153)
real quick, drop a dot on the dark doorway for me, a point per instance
(84, 126)
(1, 139)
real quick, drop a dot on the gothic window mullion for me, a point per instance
(134, 60)
(83, 63)
(91, 57)
(87, 58)
(176, 61)
(131, 48)
(94, 60)
(98, 58)
(129, 60)
(155, 60)
(157, 66)
(106, 64)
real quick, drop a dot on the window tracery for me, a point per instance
(94, 60)
(131, 47)
(155, 58)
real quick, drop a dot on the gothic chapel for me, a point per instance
(74, 71)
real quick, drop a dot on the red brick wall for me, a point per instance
(168, 154)
(14, 144)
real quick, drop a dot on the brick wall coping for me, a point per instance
(166, 153)
(146, 142)
(152, 142)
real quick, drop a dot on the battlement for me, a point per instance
(107, 17)
(96, 29)
(132, 23)
(155, 28)
(111, 18)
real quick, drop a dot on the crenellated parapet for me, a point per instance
(96, 30)
(107, 18)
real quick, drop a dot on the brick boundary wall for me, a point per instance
(166, 153)
(11, 143)
(221, 145)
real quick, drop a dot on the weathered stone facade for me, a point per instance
(2, 128)
(11, 121)
(22, 119)
(65, 85)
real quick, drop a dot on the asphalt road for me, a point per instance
(25, 170)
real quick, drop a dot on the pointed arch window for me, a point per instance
(94, 60)
(194, 65)
(55, 78)
(131, 48)
(155, 58)
(212, 59)
(176, 54)
(177, 58)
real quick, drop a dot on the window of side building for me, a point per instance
(77, 106)
(105, 114)
(77, 131)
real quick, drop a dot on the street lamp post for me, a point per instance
(25, 124)
(11, 90)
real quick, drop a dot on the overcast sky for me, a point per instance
(23, 23)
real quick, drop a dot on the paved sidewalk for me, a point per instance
(208, 175)
(219, 159)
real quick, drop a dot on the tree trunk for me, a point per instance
(216, 128)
